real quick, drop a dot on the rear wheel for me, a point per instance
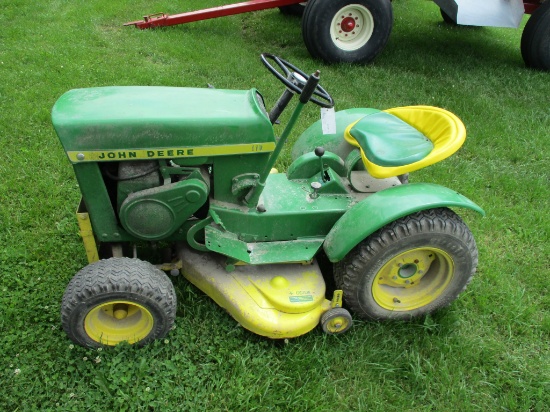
(535, 40)
(353, 31)
(411, 267)
(116, 300)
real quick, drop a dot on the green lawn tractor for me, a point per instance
(181, 180)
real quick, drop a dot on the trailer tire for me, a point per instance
(116, 300)
(535, 39)
(366, 27)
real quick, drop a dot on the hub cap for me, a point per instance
(337, 324)
(352, 27)
(118, 321)
(413, 279)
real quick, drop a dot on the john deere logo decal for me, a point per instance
(168, 153)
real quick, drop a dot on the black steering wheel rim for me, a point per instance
(323, 99)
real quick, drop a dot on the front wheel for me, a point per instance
(535, 39)
(116, 300)
(410, 267)
(352, 31)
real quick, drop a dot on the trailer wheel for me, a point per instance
(116, 300)
(293, 9)
(353, 31)
(535, 39)
(411, 267)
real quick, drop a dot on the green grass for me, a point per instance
(488, 351)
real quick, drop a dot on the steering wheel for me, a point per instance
(295, 79)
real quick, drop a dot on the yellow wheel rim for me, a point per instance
(337, 324)
(117, 321)
(413, 279)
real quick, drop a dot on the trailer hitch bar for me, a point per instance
(163, 19)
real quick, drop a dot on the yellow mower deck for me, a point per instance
(276, 301)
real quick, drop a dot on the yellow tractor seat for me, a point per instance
(404, 139)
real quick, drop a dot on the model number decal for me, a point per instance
(301, 298)
(164, 153)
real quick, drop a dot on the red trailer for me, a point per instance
(356, 31)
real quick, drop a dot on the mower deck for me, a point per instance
(276, 301)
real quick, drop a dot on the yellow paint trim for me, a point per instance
(443, 128)
(338, 324)
(87, 233)
(413, 279)
(168, 152)
(337, 299)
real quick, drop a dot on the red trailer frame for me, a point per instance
(162, 19)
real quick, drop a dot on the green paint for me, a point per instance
(384, 207)
(135, 117)
(389, 141)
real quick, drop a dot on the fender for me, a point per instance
(384, 207)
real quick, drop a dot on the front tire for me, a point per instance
(352, 31)
(535, 39)
(411, 267)
(116, 300)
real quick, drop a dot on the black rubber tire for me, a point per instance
(293, 9)
(535, 39)
(316, 30)
(115, 280)
(439, 230)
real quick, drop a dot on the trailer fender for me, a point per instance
(381, 208)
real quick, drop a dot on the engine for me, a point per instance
(152, 206)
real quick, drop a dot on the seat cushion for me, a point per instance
(388, 141)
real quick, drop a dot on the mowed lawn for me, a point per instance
(489, 351)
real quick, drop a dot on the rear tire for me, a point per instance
(116, 300)
(411, 267)
(352, 31)
(535, 39)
